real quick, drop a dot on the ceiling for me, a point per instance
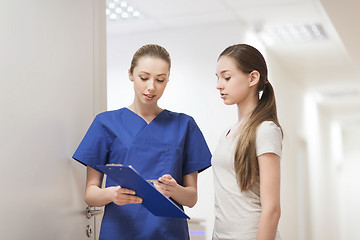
(330, 66)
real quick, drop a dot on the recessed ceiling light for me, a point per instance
(136, 14)
(118, 10)
(123, 4)
(111, 5)
(292, 33)
(113, 16)
(121, 10)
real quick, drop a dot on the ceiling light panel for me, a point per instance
(291, 33)
(257, 3)
(161, 9)
(120, 10)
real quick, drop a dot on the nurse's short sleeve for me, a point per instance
(93, 148)
(197, 156)
(268, 139)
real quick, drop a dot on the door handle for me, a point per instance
(92, 212)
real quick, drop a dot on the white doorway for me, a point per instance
(52, 84)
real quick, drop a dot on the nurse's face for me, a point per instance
(233, 84)
(150, 77)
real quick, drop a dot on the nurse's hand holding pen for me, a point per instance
(166, 184)
(185, 194)
(123, 196)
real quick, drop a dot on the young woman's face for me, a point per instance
(150, 77)
(233, 84)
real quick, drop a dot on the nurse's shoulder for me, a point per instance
(182, 119)
(108, 117)
(180, 116)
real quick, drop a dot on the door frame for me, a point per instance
(99, 74)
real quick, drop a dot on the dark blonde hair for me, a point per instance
(248, 59)
(150, 50)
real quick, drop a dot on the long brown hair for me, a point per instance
(249, 59)
(150, 50)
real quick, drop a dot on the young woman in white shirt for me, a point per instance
(246, 163)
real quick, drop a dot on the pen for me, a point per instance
(153, 180)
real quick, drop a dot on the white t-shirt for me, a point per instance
(237, 213)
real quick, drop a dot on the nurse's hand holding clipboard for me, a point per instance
(123, 196)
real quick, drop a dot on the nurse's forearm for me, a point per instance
(186, 196)
(98, 197)
(95, 196)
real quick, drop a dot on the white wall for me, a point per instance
(333, 196)
(191, 90)
(336, 192)
(289, 95)
(348, 179)
(322, 188)
(327, 191)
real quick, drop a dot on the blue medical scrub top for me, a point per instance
(171, 144)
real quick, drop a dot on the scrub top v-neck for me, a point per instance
(138, 116)
(171, 144)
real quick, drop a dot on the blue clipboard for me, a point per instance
(153, 200)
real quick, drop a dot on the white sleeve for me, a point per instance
(268, 139)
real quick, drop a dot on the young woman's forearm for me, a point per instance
(268, 224)
(269, 166)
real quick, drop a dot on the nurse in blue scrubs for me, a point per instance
(158, 143)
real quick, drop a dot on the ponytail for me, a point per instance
(246, 164)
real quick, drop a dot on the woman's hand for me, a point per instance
(95, 196)
(184, 194)
(167, 185)
(123, 196)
